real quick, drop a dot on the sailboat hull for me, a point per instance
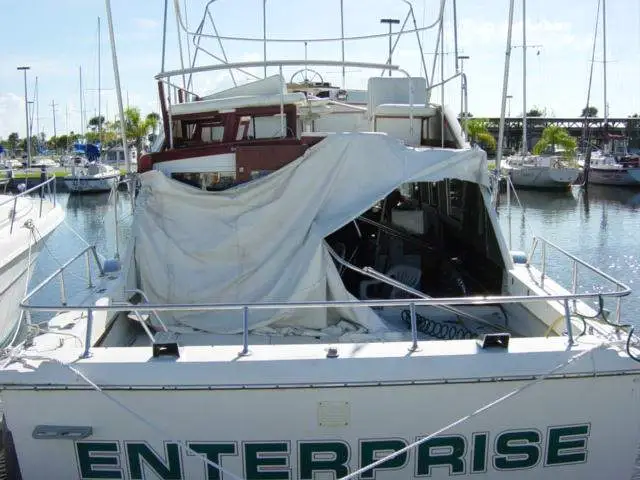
(610, 176)
(543, 177)
(91, 184)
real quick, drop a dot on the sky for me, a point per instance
(58, 38)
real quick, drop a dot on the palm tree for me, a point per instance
(478, 133)
(136, 128)
(153, 119)
(554, 135)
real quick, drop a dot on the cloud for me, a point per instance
(146, 23)
(10, 119)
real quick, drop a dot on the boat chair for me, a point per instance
(406, 274)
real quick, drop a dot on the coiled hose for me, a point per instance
(439, 330)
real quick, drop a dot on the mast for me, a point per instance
(37, 113)
(604, 59)
(524, 78)
(99, 97)
(81, 106)
(503, 104)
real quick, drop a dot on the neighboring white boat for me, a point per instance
(10, 163)
(38, 162)
(114, 156)
(535, 171)
(26, 221)
(301, 304)
(95, 177)
(614, 165)
(539, 171)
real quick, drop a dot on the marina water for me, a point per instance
(602, 227)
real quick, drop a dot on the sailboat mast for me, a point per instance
(604, 58)
(81, 106)
(99, 95)
(524, 77)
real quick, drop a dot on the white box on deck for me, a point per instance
(395, 90)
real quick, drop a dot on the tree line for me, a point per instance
(138, 130)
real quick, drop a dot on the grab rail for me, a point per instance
(621, 288)
(41, 188)
(447, 303)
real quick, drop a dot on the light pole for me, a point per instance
(463, 87)
(26, 114)
(391, 22)
(509, 97)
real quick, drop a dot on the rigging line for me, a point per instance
(313, 40)
(586, 132)
(166, 432)
(477, 412)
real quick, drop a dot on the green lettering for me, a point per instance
(479, 456)
(323, 457)
(567, 444)
(268, 461)
(93, 457)
(140, 455)
(441, 451)
(517, 450)
(373, 450)
(213, 452)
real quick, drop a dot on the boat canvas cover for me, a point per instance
(263, 241)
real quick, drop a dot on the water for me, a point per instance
(602, 228)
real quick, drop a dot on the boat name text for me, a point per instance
(456, 454)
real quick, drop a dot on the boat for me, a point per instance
(540, 171)
(95, 177)
(295, 303)
(114, 156)
(26, 221)
(614, 165)
(44, 162)
(536, 171)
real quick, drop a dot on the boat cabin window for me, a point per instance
(210, 181)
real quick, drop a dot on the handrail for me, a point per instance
(439, 301)
(447, 303)
(621, 288)
(40, 187)
(31, 190)
(277, 63)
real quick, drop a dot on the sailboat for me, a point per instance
(93, 176)
(536, 171)
(613, 164)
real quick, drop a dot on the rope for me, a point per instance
(29, 224)
(165, 432)
(477, 412)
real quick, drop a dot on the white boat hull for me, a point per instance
(13, 284)
(611, 176)
(319, 414)
(542, 177)
(19, 248)
(91, 184)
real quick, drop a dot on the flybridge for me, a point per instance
(452, 455)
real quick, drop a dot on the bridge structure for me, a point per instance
(629, 127)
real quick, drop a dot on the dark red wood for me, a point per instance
(266, 157)
(165, 115)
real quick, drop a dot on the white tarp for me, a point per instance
(263, 241)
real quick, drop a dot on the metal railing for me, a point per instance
(89, 252)
(621, 289)
(43, 187)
